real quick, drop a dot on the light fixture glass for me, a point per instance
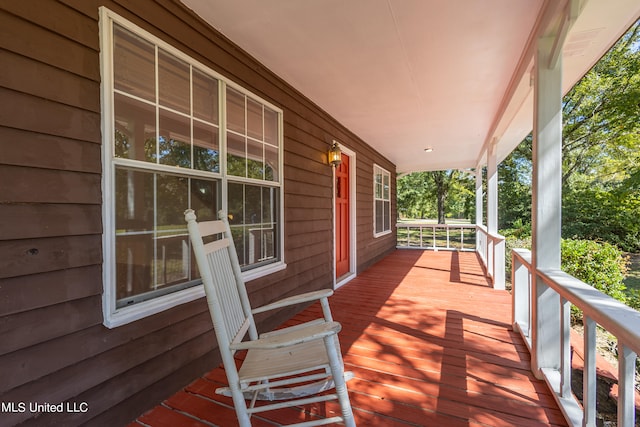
(334, 155)
(428, 149)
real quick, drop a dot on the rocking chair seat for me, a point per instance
(267, 362)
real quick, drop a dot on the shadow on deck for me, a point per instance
(430, 344)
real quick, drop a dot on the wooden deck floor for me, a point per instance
(430, 344)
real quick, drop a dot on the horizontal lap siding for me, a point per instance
(53, 346)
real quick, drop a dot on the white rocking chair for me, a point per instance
(287, 364)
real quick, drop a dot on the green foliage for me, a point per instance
(597, 213)
(598, 264)
(433, 194)
(514, 189)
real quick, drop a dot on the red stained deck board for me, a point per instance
(430, 344)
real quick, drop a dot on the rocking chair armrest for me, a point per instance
(298, 336)
(296, 299)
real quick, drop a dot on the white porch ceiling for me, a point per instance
(404, 75)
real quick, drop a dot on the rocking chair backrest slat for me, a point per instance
(227, 291)
(226, 296)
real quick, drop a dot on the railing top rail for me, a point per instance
(433, 225)
(616, 317)
(524, 255)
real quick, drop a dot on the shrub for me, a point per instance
(598, 264)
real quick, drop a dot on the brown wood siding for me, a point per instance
(53, 346)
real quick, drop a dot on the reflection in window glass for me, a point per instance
(174, 141)
(133, 64)
(235, 111)
(205, 97)
(135, 129)
(152, 246)
(173, 83)
(252, 209)
(163, 156)
(255, 162)
(205, 147)
(236, 155)
(254, 120)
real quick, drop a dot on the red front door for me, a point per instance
(342, 217)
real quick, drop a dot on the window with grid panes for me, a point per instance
(179, 136)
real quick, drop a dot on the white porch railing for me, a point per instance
(555, 364)
(462, 237)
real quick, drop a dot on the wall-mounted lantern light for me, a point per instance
(334, 155)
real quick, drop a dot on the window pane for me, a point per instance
(175, 140)
(271, 163)
(254, 119)
(252, 208)
(205, 97)
(134, 232)
(379, 216)
(133, 64)
(271, 127)
(205, 147)
(173, 82)
(236, 155)
(387, 216)
(204, 199)
(172, 252)
(378, 186)
(255, 163)
(385, 186)
(135, 129)
(235, 111)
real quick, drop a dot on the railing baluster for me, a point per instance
(589, 380)
(565, 349)
(626, 387)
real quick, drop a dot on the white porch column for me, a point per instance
(492, 190)
(546, 205)
(479, 206)
(495, 252)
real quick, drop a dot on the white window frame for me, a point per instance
(113, 316)
(378, 170)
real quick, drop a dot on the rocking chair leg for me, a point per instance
(337, 371)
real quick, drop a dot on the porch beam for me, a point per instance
(546, 204)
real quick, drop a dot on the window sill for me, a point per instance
(384, 233)
(125, 315)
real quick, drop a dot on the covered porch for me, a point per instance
(429, 341)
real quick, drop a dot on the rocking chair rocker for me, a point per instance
(287, 364)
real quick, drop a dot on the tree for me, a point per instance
(600, 114)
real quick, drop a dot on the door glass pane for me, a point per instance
(135, 129)
(133, 64)
(173, 82)
(205, 147)
(205, 97)
(174, 140)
